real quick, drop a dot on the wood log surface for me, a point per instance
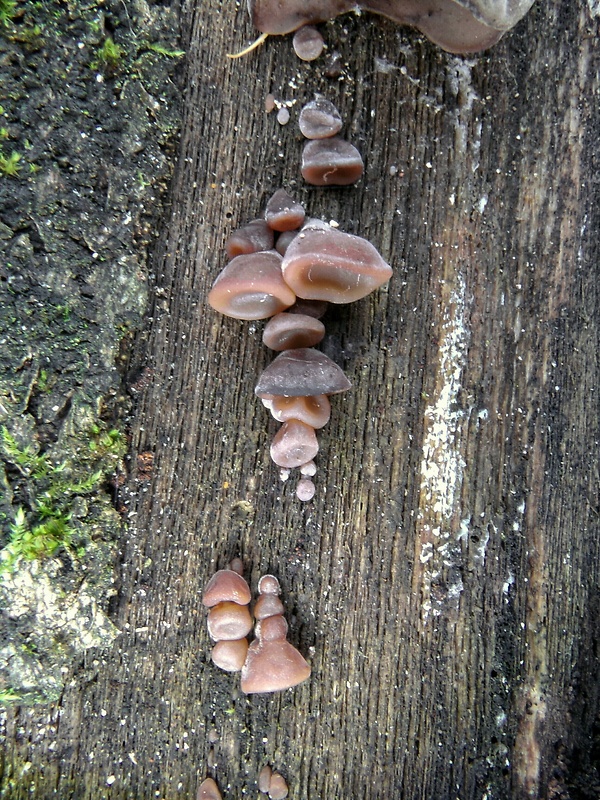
(444, 581)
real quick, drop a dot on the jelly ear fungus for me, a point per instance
(293, 285)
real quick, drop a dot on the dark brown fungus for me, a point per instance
(283, 213)
(308, 43)
(287, 331)
(251, 287)
(312, 308)
(461, 26)
(250, 238)
(314, 410)
(227, 585)
(319, 119)
(331, 162)
(230, 654)
(300, 373)
(208, 790)
(326, 264)
(229, 621)
(294, 444)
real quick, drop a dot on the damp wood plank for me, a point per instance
(444, 581)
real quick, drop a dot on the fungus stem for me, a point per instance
(250, 47)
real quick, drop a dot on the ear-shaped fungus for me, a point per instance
(319, 119)
(325, 264)
(283, 213)
(459, 26)
(294, 444)
(314, 410)
(251, 287)
(250, 238)
(287, 331)
(308, 43)
(331, 162)
(300, 373)
(272, 664)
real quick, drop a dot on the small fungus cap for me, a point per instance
(287, 331)
(319, 119)
(251, 287)
(208, 790)
(228, 621)
(272, 667)
(331, 162)
(251, 238)
(300, 373)
(326, 264)
(230, 655)
(308, 43)
(267, 605)
(278, 788)
(283, 213)
(294, 444)
(226, 585)
(269, 584)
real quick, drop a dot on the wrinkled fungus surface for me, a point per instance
(319, 119)
(300, 373)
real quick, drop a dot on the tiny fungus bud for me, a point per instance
(331, 162)
(269, 584)
(294, 444)
(309, 469)
(208, 790)
(319, 119)
(327, 264)
(283, 213)
(226, 584)
(305, 490)
(278, 788)
(289, 331)
(228, 620)
(250, 238)
(308, 43)
(264, 779)
(251, 287)
(230, 655)
(300, 373)
(267, 605)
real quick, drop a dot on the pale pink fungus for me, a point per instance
(287, 331)
(331, 162)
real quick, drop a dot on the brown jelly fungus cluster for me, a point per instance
(327, 159)
(272, 784)
(289, 269)
(270, 663)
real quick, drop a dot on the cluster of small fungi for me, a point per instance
(327, 159)
(270, 783)
(292, 279)
(270, 663)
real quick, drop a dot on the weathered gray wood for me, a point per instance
(444, 581)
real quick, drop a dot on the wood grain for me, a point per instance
(444, 581)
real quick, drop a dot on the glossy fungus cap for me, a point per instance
(251, 287)
(226, 584)
(308, 43)
(267, 605)
(230, 655)
(228, 621)
(272, 667)
(250, 238)
(294, 444)
(326, 264)
(208, 790)
(459, 26)
(283, 213)
(331, 162)
(300, 373)
(319, 119)
(288, 331)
